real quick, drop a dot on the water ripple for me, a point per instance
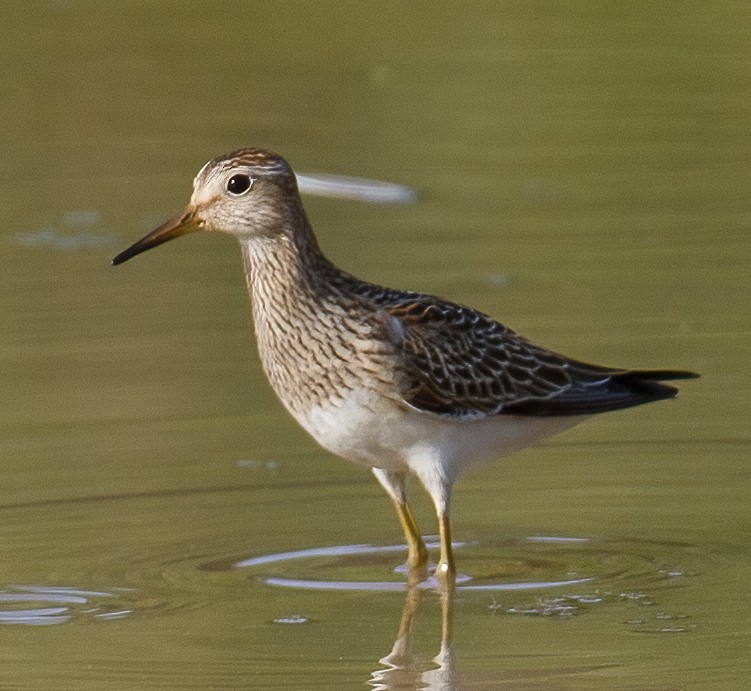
(530, 563)
(19, 604)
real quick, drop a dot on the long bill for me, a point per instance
(183, 223)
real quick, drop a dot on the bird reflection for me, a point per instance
(402, 669)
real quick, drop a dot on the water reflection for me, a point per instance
(402, 668)
(544, 576)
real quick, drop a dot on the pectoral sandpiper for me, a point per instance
(400, 382)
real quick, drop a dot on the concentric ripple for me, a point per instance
(531, 563)
(40, 605)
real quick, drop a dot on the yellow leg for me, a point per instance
(446, 566)
(417, 556)
(394, 482)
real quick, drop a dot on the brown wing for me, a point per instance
(461, 363)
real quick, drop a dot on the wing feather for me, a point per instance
(457, 362)
(461, 363)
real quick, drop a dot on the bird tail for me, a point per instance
(603, 390)
(659, 374)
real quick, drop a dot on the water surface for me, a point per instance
(582, 174)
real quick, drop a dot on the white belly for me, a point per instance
(368, 429)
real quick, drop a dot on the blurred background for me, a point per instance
(582, 174)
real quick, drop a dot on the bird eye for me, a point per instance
(239, 184)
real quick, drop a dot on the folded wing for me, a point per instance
(460, 363)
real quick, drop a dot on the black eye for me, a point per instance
(239, 184)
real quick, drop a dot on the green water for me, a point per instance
(583, 171)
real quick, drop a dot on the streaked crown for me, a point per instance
(258, 162)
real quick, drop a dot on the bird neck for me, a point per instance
(292, 289)
(286, 266)
(310, 320)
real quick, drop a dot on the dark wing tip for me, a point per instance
(661, 374)
(618, 389)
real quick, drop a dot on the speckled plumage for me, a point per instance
(402, 382)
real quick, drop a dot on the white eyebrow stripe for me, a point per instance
(200, 173)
